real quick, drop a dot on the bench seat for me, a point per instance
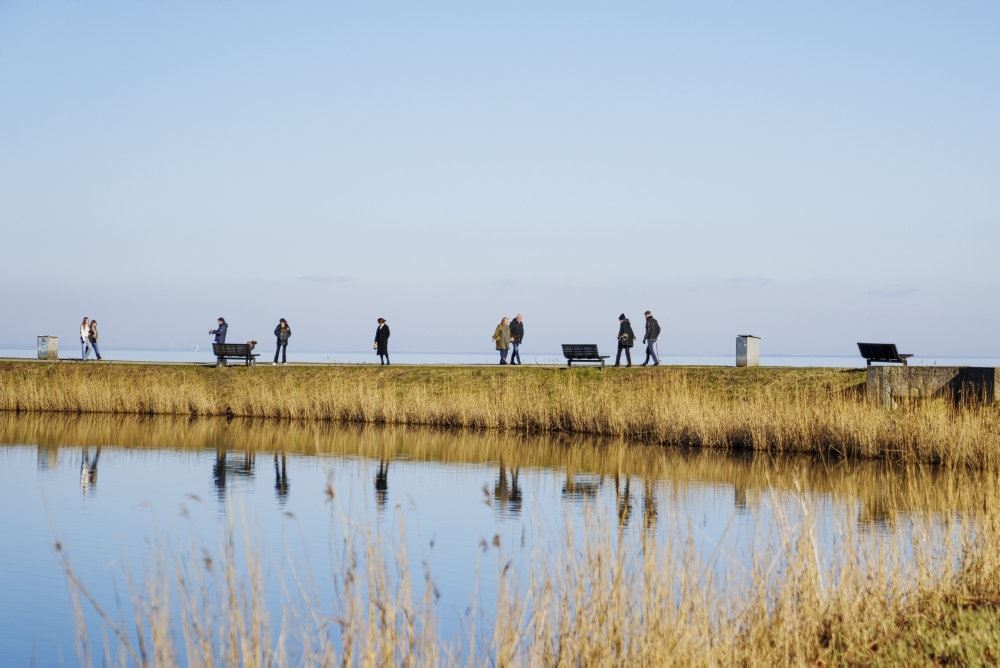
(235, 351)
(582, 352)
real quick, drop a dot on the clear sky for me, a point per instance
(816, 173)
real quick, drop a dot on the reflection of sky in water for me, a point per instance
(107, 506)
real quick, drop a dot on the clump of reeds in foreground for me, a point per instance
(778, 410)
(596, 599)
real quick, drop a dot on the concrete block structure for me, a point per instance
(961, 384)
(747, 350)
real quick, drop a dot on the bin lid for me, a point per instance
(748, 336)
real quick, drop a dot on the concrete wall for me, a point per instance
(959, 383)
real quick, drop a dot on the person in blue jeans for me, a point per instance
(85, 339)
(516, 336)
(282, 333)
(93, 339)
(652, 334)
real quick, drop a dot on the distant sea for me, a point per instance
(204, 355)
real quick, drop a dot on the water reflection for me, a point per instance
(88, 470)
(641, 478)
(382, 484)
(507, 492)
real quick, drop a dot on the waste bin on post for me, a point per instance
(747, 350)
(48, 347)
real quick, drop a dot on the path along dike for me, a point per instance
(781, 409)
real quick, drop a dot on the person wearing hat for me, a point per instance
(220, 337)
(282, 333)
(652, 334)
(626, 339)
(381, 344)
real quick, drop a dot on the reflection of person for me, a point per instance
(382, 484)
(381, 344)
(219, 474)
(85, 339)
(508, 495)
(626, 339)
(516, 336)
(281, 477)
(649, 511)
(282, 333)
(624, 499)
(93, 339)
(501, 335)
(88, 470)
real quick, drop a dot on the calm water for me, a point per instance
(108, 487)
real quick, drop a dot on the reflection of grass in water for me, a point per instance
(883, 490)
(597, 600)
(778, 410)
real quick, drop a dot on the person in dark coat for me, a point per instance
(220, 337)
(652, 334)
(516, 336)
(381, 344)
(626, 339)
(282, 333)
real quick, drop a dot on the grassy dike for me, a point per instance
(812, 410)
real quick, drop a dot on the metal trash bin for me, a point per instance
(48, 347)
(747, 350)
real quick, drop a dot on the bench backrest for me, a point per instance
(230, 349)
(580, 351)
(879, 352)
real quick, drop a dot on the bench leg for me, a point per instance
(569, 363)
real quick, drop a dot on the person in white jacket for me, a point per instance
(85, 339)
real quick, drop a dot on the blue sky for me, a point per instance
(815, 173)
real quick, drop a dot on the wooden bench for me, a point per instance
(582, 352)
(882, 352)
(235, 351)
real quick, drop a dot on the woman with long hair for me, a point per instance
(93, 339)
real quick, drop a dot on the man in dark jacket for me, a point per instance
(626, 339)
(652, 334)
(516, 336)
(220, 337)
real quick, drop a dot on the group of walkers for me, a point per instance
(508, 336)
(626, 339)
(88, 339)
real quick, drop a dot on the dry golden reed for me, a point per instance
(778, 410)
(596, 601)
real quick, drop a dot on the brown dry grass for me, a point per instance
(776, 410)
(596, 601)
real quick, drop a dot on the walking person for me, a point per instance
(516, 336)
(220, 337)
(282, 332)
(92, 335)
(626, 339)
(652, 334)
(381, 344)
(502, 337)
(85, 339)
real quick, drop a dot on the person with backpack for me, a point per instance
(92, 336)
(282, 333)
(516, 336)
(652, 334)
(626, 339)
